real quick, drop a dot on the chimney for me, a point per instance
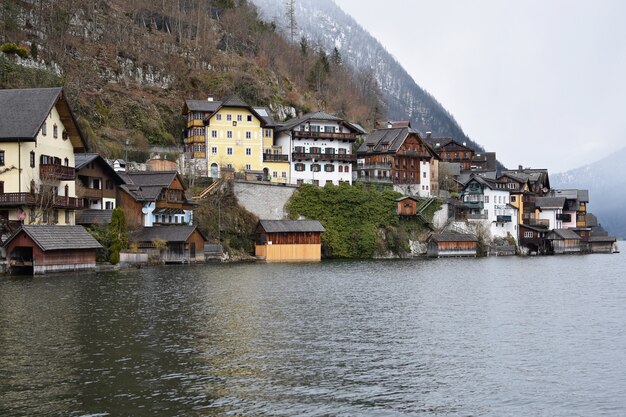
(521, 168)
(389, 125)
(428, 135)
(464, 143)
(209, 98)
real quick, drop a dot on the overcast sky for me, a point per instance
(542, 83)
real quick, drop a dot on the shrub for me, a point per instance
(12, 49)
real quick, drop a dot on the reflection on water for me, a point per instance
(497, 336)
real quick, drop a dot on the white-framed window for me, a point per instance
(268, 133)
(55, 131)
(214, 150)
(275, 174)
(218, 116)
(248, 135)
(229, 117)
(487, 199)
(239, 117)
(528, 235)
(248, 167)
(248, 151)
(284, 174)
(229, 166)
(229, 151)
(214, 134)
(229, 134)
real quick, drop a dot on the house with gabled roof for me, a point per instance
(97, 184)
(452, 151)
(562, 241)
(488, 201)
(398, 156)
(152, 198)
(549, 212)
(452, 244)
(229, 134)
(318, 147)
(38, 139)
(39, 249)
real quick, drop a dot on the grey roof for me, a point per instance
(58, 237)
(291, 226)
(23, 111)
(152, 178)
(93, 216)
(265, 114)
(409, 197)
(318, 116)
(82, 159)
(174, 233)
(562, 234)
(203, 105)
(453, 237)
(550, 202)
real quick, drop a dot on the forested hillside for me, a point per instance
(128, 65)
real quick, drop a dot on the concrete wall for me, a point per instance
(266, 201)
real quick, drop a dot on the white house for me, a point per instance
(319, 148)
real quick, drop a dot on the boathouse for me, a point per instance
(38, 249)
(452, 244)
(562, 241)
(289, 240)
(172, 244)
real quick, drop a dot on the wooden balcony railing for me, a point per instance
(28, 199)
(57, 172)
(323, 156)
(413, 154)
(324, 135)
(272, 157)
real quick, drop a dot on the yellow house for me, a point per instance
(38, 138)
(232, 135)
(519, 188)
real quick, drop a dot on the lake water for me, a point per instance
(469, 337)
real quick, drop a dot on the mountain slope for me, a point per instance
(323, 22)
(605, 180)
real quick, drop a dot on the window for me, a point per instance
(67, 217)
(1, 187)
(329, 168)
(55, 216)
(347, 168)
(299, 167)
(248, 167)
(314, 128)
(316, 167)
(218, 116)
(424, 175)
(229, 151)
(239, 118)
(44, 130)
(229, 117)
(64, 135)
(66, 162)
(513, 199)
(214, 134)
(214, 150)
(229, 166)
(1, 158)
(528, 234)
(249, 118)
(329, 129)
(32, 159)
(268, 133)
(248, 151)
(248, 135)
(55, 132)
(284, 174)
(340, 168)
(109, 205)
(229, 134)
(486, 199)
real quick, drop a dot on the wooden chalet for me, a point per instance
(450, 150)
(97, 183)
(396, 156)
(563, 241)
(184, 243)
(452, 244)
(155, 198)
(39, 249)
(289, 240)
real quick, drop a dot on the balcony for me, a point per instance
(564, 217)
(474, 204)
(537, 222)
(504, 219)
(413, 154)
(194, 139)
(57, 172)
(272, 157)
(90, 193)
(324, 135)
(28, 199)
(195, 123)
(301, 156)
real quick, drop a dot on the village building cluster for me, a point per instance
(51, 186)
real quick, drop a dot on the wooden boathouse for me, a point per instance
(452, 244)
(289, 240)
(38, 249)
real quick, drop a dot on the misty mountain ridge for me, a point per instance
(604, 179)
(323, 23)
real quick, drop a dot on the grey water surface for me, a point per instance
(468, 337)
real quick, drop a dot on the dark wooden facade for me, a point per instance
(533, 239)
(452, 151)
(452, 244)
(407, 206)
